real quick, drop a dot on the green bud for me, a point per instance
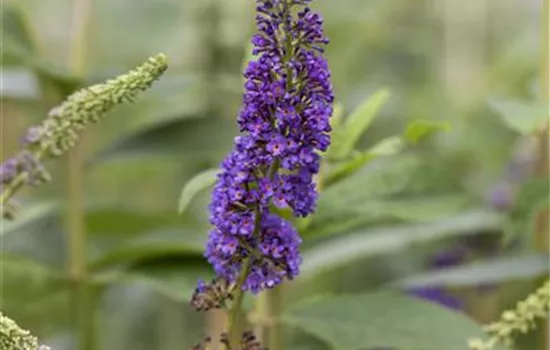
(12, 337)
(521, 319)
(61, 129)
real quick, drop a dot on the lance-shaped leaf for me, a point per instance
(345, 137)
(382, 320)
(418, 129)
(197, 184)
(522, 117)
(344, 250)
(479, 273)
(386, 147)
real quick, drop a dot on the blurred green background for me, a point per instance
(471, 65)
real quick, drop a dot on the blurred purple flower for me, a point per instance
(438, 296)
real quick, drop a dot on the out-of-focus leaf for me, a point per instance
(31, 213)
(345, 137)
(120, 235)
(388, 189)
(337, 115)
(158, 243)
(382, 320)
(480, 273)
(520, 116)
(531, 199)
(422, 128)
(175, 281)
(31, 292)
(344, 250)
(18, 84)
(204, 138)
(17, 38)
(425, 209)
(37, 279)
(199, 183)
(389, 146)
(19, 48)
(248, 56)
(114, 222)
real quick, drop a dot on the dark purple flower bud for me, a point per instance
(211, 295)
(438, 296)
(449, 257)
(248, 342)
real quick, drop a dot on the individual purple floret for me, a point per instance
(284, 123)
(23, 162)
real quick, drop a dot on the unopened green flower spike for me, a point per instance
(522, 319)
(61, 129)
(13, 337)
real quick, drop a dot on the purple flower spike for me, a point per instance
(284, 123)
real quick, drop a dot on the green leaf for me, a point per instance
(425, 209)
(18, 42)
(382, 320)
(18, 84)
(522, 117)
(532, 197)
(505, 269)
(158, 243)
(32, 213)
(33, 293)
(386, 147)
(422, 128)
(345, 137)
(174, 279)
(248, 56)
(197, 184)
(402, 187)
(19, 45)
(202, 138)
(124, 235)
(345, 250)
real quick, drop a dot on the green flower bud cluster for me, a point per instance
(521, 319)
(12, 337)
(59, 132)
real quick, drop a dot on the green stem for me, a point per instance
(542, 239)
(267, 310)
(83, 314)
(13, 187)
(236, 305)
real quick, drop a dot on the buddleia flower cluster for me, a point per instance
(284, 124)
(60, 130)
(13, 337)
(522, 319)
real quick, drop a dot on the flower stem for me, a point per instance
(236, 305)
(83, 314)
(541, 238)
(268, 308)
(14, 186)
